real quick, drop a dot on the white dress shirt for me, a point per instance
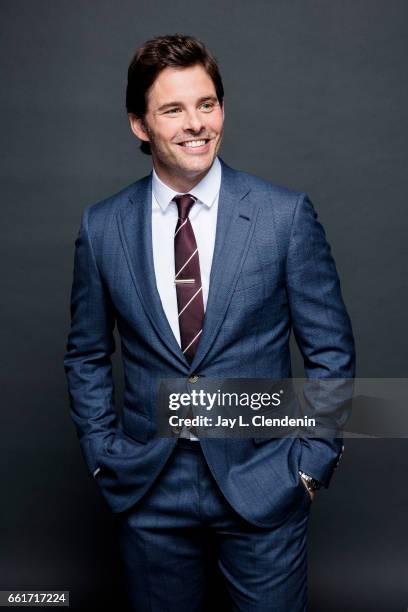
(203, 218)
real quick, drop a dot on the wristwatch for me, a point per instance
(311, 483)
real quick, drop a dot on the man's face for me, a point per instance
(183, 123)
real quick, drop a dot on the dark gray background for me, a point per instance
(316, 99)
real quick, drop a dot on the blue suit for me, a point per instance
(272, 272)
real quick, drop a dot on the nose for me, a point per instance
(193, 121)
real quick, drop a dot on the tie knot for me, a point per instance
(184, 204)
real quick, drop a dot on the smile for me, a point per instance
(192, 144)
(196, 147)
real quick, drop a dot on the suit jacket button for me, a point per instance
(193, 378)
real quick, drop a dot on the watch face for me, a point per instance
(311, 482)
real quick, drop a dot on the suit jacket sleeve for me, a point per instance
(90, 344)
(320, 322)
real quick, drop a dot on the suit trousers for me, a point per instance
(183, 524)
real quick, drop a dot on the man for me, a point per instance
(205, 270)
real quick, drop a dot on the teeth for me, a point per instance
(194, 143)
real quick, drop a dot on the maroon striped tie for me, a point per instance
(188, 279)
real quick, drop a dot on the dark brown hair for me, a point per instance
(174, 51)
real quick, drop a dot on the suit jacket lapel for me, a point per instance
(235, 224)
(135, 228)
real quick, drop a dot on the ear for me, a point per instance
(138, 127)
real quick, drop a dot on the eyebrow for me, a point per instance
(171, 104)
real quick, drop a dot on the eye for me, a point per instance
(172, 111)
(207, 106)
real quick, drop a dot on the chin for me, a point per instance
(199, 165)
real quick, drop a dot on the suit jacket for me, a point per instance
(272, 272)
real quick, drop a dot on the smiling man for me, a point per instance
(205, 271)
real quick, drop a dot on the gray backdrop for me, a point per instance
(316, 99)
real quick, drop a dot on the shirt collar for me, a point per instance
(205, 191)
